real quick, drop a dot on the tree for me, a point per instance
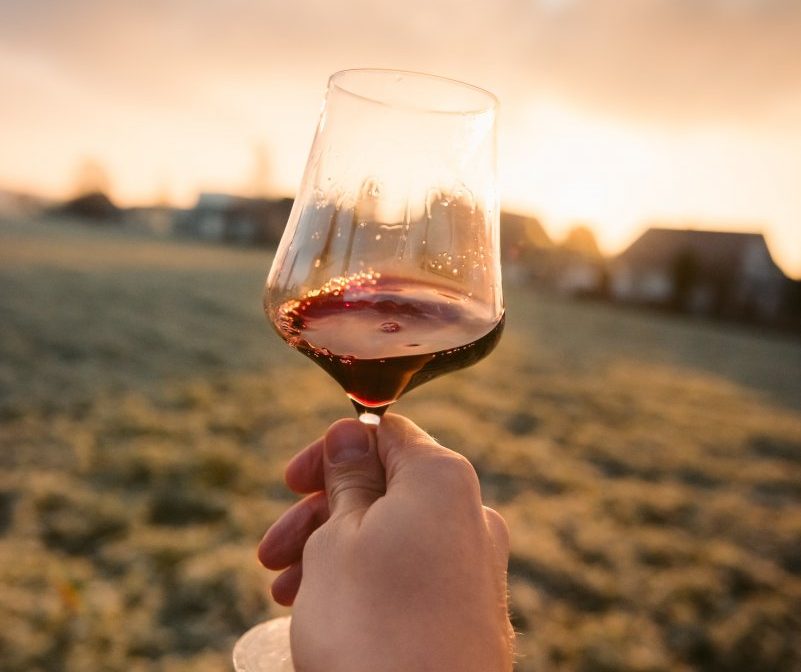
(581, 239)
(91, 177)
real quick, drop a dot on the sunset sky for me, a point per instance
(614, 113)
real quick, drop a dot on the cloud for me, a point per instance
(675, 59)
(660, 59)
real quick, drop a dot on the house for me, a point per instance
(706, 272)
(236, 219)
(520, 235)
(93, 207)
(578, 267)
(525, 248)
(573, 267)
(157, 220)
(14, 204)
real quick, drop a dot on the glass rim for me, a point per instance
(492, 103)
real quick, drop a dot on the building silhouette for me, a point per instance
(715, 273)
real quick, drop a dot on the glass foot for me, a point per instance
(265, 648)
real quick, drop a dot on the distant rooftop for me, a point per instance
(712, 249)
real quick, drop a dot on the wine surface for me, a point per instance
(384, 336)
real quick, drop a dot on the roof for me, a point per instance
(522, 230)
(659, 247)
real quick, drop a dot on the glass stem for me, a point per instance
(370, 419)
(368, 415)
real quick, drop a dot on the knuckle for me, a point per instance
(455, 473)
(361, 481)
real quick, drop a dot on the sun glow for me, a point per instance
(702, 133)
(618, 178)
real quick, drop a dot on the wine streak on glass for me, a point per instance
(388, 272)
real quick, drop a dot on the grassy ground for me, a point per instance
(650, 468)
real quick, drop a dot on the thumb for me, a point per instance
(354, 475)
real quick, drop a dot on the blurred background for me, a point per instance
(639, 426)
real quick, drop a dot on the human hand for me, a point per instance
(402, 567)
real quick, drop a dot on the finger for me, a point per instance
(499, 532)
(304, 473)
(415, 462)
(286, 585)
(283, 543)
(354, 475)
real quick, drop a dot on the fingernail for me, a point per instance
(346, 442)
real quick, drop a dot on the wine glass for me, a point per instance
(388, 273)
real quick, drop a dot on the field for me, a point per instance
(649, 466)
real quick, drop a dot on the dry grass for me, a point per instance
(650, 469)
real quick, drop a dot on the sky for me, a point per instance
(618, 114)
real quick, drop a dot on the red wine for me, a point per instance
(380, 337)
